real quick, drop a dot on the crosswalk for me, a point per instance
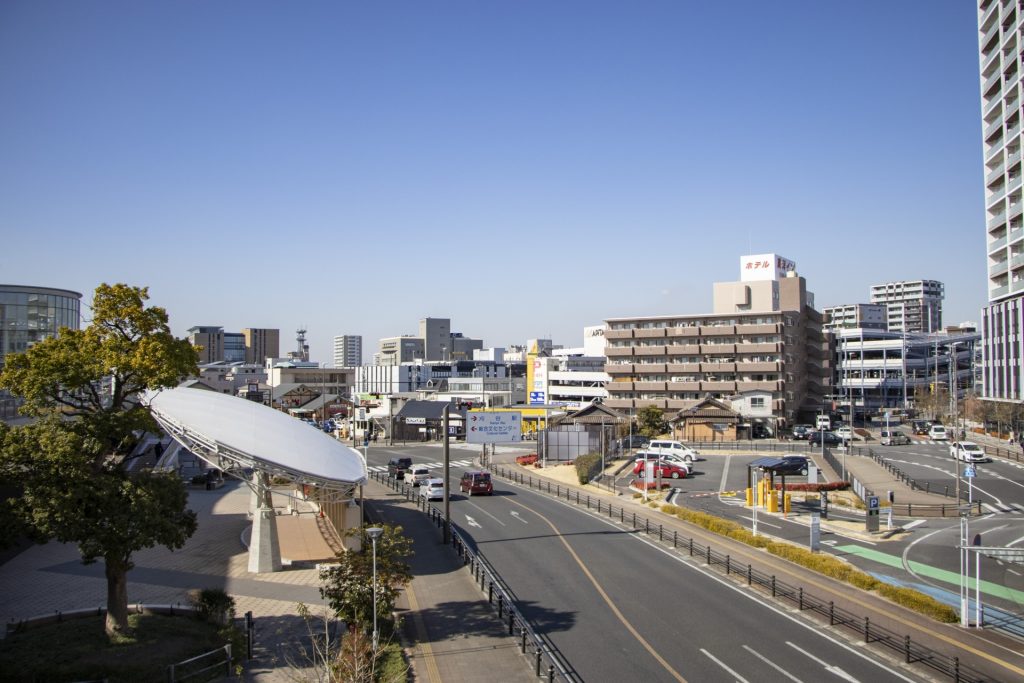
(428, 465)
(1003, 508)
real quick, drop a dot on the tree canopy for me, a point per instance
(82, 387)
(651, 421)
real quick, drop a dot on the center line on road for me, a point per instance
(604, 596)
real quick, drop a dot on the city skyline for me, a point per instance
(523, 170)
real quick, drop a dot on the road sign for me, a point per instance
(969, 472)
(415, 420)
(537, 398)
(873, 502)
(494, 427)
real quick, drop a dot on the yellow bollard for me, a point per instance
(773, 503)
(786, 502)
(750, 496)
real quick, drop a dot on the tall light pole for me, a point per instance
(374, 533)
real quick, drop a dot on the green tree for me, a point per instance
(652, 421)
(82, 387)
(348, 587)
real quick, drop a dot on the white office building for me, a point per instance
(348, 351)
(1001, 50)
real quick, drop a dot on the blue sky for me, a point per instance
(523, 168)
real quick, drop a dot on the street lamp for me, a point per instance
(374, 533)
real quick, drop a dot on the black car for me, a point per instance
(792, 464)
(630, 442)
(397, 467)
(831, 439)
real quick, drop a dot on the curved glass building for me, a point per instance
(29, 315)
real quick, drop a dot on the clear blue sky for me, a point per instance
(523, 168)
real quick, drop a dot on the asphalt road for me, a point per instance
(619, 607)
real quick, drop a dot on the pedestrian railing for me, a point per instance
(861, 626)
(546, 661)
(915, 485)
(205, 667)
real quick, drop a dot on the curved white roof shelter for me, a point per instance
(248, 434)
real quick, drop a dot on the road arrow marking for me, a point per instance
(516, 515)
(828, 667)
(472, 522)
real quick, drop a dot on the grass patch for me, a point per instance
(78, 649)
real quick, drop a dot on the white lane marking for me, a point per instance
(916, 522)
(720, 663)
(516, 515)
(828, 667)
(760, 523)
(1015, 542)
(487, 513)
(725, 473)
(772, 664)
(472, 522)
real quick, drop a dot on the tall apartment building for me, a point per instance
(855, 316)
(762, 343)
(348, 351)
(911, 305)
(1001, 47)
(261, 343)
(29, 315)
(211, 339)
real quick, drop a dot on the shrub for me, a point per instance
(213, 605)
(919, 602)
(526, 459)
(587, 466)
(800, 486)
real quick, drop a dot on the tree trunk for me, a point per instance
(117, 596)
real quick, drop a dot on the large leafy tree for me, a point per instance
(82, 387)
(652, 421)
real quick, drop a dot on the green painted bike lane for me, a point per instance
(952, 578)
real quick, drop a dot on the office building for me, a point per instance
(211, 341)
(234, 347)
(261, 343)
(855, 316)
(913, 306)
(29, 315)
(435, 342)
(348, 351)
(1002, 320)
(762, 346)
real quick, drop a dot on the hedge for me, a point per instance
(824, 564)
(587, 467)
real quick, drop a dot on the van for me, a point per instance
(475, 482)
(824, 422)
(893, 437)
(664, 448)
(937, 433)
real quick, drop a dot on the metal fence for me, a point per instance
(861, 626)
(205, 667)
(547, 663)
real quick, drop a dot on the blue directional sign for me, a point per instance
(537, 398)
(969, 472)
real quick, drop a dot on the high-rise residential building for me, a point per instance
(911, 305)
(855, 316)
(1002, 329)
(29, 315)
(261, 343)
(762, 346)
(348, 351)
(211, 339)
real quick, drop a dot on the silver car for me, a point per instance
(893, 438)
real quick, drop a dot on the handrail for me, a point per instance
(837, 616)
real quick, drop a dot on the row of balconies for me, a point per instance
(730, 386)
(621, 369)
(693, 331)
(692, 350)
(671, 405)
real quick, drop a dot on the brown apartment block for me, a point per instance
(763, 340)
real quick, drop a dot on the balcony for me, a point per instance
(996, 219)
(991, 33)
(618, 351)
(618, 334)
(766, 347)
(719, 386)
(656, 333)
(648, 386)
(1014, 131)
(1012, 157)
(997, 269)
(770, 328)
(995, 173)
(998, 195)
(1015, 234)
(717, 330)
(683, 368)
(615, 369)
(682, 386)
(759, 367)
(992, 128)
(718, 349)
(683, 332)
(758, 386)
(718, 368)
(995, 148)
(683, 349)
(1017, 261)
(1011, 81)
(998, 292)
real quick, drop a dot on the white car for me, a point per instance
(968, 451)
(937, 433)
(662, 448)
(670, 458)
(418, 474)
(845, 433)
(432, 489)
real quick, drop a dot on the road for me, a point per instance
(619, 607)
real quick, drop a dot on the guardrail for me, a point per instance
(538, 648)
(911, 482)
(912, 653)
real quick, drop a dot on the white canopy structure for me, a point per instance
(230, 432)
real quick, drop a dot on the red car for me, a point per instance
(662, 468)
